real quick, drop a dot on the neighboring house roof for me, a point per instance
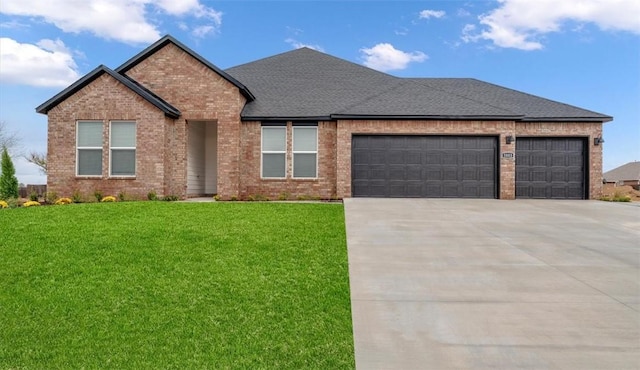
(626, 172)
(305, 83)
(152, 98)
(169, 39)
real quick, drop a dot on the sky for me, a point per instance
(580, 52)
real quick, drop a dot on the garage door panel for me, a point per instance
(433, 157)
(425, 166)
(414, 172)
(550, 168)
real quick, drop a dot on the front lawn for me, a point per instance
(175, 285)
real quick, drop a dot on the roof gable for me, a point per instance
(167, 108)
(144, 54)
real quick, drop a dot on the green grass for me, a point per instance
(175, 285)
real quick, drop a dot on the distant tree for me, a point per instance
(39, 159)
(8, 180)
(8, 139)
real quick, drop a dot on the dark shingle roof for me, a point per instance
(305, 83)
(629, 171)
(533, 108)
(152, 98)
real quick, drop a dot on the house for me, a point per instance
(304, 123)
(627, 174)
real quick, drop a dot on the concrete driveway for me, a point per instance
(486, 284)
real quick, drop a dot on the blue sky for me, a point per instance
(581, 52)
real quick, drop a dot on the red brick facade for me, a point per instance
(201, 94)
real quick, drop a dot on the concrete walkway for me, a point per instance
(490, 284)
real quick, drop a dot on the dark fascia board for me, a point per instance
(602, 119)
(168, 109)
(286, 119)
(169, 39)
(422, 117)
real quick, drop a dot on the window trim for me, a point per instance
(263, 152)
(79, 148)
(134, 148)
(294, 152)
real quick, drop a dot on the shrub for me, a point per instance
(98, 195)
(31, 203)
(170, 198)
(33, 196)
(216, 198)
(3, 204)
(152, 195)
(122, 196)
(50, 197)
(62, 201)
(8, 179)
(234, 198)
(109, 198)
(76, 197)
(284, 196)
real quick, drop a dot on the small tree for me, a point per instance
(39, 159)
(8, 180)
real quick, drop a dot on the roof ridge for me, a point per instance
(467, 97)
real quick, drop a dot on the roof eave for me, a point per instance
(169, 39)
(285, 118)
(45, 107)
(425, 117)
(568, 119)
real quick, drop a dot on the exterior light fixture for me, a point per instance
(598, 141)
(509, 139)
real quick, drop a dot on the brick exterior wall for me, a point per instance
(105, 99)
(251, 183)
(588, 130)
(501, 129)
(161, 157)
(201, 95)
(346, 128)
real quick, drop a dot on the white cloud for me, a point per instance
(121, 20)
(297, 45)
(48, 63)
(384, 57)
(426, 14)
(521, 23)
(202, 31)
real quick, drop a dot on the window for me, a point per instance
(123, 148)
(305, 152)
(274, 152)
(89, 148)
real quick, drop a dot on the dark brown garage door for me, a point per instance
(424, 166)
(550, 168)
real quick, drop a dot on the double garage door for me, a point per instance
(405, 166)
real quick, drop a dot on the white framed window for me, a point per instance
(305, 152)
(274, 152)
(89, 148)
(122, 148)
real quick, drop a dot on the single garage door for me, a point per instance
(424, 166)
(550, 168)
